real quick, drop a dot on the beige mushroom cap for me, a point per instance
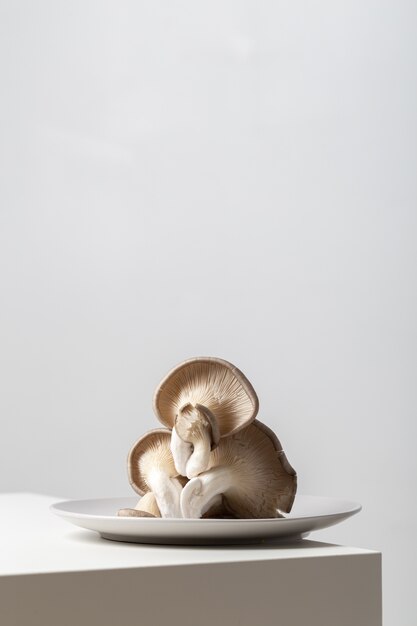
(151, 469)
(252, 473)
(286, 476)
(213, 383)
(266, 480)
(152, 450)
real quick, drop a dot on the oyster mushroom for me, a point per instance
(151, 469)
(146, 507)
(194, 435)
(202, 400)
(250, 470)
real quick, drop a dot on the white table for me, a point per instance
(53, 574)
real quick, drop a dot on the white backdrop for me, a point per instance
(234, 179)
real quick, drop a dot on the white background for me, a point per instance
(234, 179)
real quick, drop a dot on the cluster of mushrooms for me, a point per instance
(213, 459)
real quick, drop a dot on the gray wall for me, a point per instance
(227, 178)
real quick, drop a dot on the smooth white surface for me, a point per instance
(234, 178)
(86, 580)
(309, 513)
(40, 542)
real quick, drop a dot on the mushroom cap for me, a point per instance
(152, 450)
(265, 480)
(213, 383)
(286, 499)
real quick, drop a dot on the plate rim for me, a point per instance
(354, 507)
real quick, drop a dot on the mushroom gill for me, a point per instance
(250, 470)
(151, 469)
(212, 383)
(203, 399)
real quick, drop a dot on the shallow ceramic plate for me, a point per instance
(309, 513)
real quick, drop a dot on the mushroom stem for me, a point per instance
(181, 452)
(148, 504)
(167, 492)
(199, 494)
(196, 426)
(215, 507)
(146, 507)
(200, 457)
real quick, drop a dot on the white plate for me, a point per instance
(309, 513)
